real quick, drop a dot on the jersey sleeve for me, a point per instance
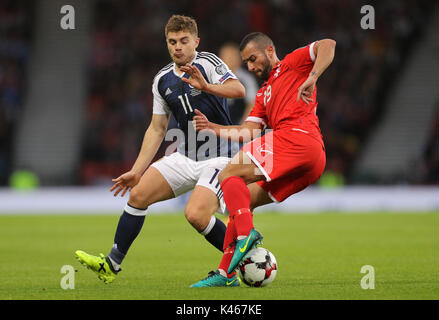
(159, 105)
(302, 59)
(216, 70)
(258, 113)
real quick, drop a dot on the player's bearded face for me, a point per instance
(181, 46)
(265, 68)
(257, 61)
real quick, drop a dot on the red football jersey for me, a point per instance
(275, 103)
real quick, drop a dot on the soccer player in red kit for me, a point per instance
(280, 163)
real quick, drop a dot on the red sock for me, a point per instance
(236, 194)
(229, 247)
(237, 198)
(243, 222)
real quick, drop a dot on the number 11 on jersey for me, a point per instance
(186, 104)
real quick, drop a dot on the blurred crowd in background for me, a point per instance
(128, 48)
(16, 19)
(426, 168)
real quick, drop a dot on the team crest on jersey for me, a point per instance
(277, 71)
(194, 92)
(221, 69)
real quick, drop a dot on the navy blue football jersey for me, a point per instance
(172, 95)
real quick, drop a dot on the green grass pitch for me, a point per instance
(319, 257)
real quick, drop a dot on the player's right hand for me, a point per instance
(306, 90)
(196, 79)
(125, 182)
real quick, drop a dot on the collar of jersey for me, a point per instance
(275, 68)
(272, 72)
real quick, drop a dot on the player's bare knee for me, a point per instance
(197, 216)
(138, 198)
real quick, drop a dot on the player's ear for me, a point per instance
(197, 42)
(269, 51)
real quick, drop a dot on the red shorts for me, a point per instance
(290, 160)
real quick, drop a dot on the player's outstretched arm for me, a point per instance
(242, 133)
(324, 51)
(231, 88)
(151, 142)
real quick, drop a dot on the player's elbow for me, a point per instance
(327, 46)
(239, 91)
(234, 89)
(331, 43)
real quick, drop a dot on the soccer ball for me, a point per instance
(258, 268)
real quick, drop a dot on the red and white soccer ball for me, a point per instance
(258, 268)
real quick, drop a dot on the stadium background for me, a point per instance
(74, 105)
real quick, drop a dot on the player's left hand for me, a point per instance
(306, 89)
(200, 121)
(196, 79)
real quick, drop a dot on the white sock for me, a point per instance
(209, 226)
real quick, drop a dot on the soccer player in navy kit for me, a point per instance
(194, 80)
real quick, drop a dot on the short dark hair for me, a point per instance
(259, 38)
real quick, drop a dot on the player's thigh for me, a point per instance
(280, 189)
(151, 188)
(179, 171)
(302, 176)
(202, 204)
(241, 166)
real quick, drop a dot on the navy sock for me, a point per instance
(127, 230)
(216, 235)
